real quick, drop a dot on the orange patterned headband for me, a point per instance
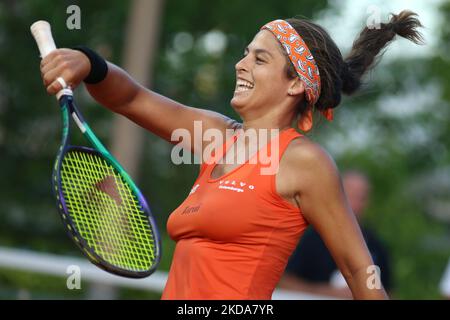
(302, 60)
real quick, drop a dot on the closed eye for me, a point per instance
(259, 60)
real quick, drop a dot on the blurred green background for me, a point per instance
(397, 128)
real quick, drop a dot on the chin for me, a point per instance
(236, 104)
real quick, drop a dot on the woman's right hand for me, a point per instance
(72, 65)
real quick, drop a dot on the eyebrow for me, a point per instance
(260, 51)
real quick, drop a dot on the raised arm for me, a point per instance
(312, 176)
(121, 94)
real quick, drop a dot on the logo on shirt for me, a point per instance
(194, 188)
(191, 209)
(236, 186)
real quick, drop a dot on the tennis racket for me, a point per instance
(103, 210)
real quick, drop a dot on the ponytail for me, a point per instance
(369, 44)
(339, 75)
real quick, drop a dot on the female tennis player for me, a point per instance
(237, 228)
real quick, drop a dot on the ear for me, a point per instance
(296, 88)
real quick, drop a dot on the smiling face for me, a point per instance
(262, 82)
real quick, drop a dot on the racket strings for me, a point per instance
(108, 221)
(106, 212)
(115, 221)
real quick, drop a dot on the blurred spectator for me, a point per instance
(445, 282)
(311, 268)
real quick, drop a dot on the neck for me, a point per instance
(278, 115)
(262, 125)
(261, 129)
(273, 119)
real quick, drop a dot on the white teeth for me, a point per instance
(241, 89)
(242, 85)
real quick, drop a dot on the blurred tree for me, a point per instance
(396, 128)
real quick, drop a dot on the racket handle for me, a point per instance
(42, 33)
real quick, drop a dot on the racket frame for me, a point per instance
(68, 107)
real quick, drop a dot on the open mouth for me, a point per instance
(243, 85)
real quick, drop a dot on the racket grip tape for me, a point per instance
(42, 33)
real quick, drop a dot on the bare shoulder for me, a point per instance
(305, 164)
(305, 153)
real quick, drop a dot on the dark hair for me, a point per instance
(340, 75)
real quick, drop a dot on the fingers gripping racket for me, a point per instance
(100, 205)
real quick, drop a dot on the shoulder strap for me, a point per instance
(269, 160)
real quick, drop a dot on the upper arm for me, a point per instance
(321, 197)
(154, 112)
(163, 116)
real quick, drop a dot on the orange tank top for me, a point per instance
(235, 234)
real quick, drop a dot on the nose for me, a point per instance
(241, 65)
